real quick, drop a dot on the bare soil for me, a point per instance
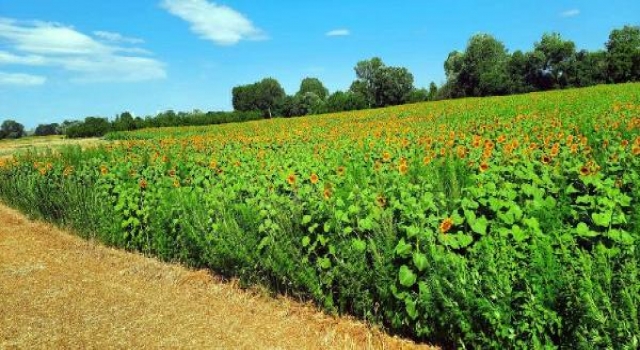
(58, 291)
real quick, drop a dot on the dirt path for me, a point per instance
(58, 291)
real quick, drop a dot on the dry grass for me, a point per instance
(10, 147)
(58, 291)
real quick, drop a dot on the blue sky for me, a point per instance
(67, 59)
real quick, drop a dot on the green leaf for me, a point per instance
(347, 230)
(410, 307)
(403, 249)
(306, 219)
(601, 219)
(324, 263)
(518, 234)
(306, 241)
(420, 261)
(583, 230)
(359, 245)
(621, 236)
(480, 225)
(406, 276)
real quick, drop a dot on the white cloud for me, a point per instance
(218, 23)
(29, 60)
(20, 79)
(116, 37)
(339, 32)
(37, 43)
(570, 13)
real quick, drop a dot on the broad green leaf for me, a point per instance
(406, 276)
(420, 261)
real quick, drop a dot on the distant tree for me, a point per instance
(433, 91)
(90, 127)
(315, 86)
(481, 70)
(623, 54)
(47, 129)
(557, 57)
(124, 122)
(418, 95)
(453, 67)
(341, 101)
(381, 85)
(264, 96)
(10, 129)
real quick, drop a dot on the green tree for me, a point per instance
(47, 129)
(480, 71)
(341, 101)
(623, 54)
(313, 85)
(11, 129)
(557, 60)
(381, 85)
(124, 122)
(265, 96)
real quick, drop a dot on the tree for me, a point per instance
(10, 129)
(484, 67)
(90, 127)
(341, 101)
(313, 85)
(264, 96)
(481, 70)
(381, 85)
(47, 129)
(124, 122)
(418, 95)
(623, 54)
(557, 56)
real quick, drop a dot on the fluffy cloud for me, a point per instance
(116, 37)
(339, 32)
(570, 13)
(218, 23)
(37, 43)
(20, 79)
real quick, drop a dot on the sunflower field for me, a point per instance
(477, 223)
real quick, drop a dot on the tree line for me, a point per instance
(484, 68)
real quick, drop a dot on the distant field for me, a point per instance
(506, 222)
(11, 147)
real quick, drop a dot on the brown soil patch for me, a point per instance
(59, 291)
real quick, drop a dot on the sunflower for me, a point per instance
(291, 179)
(484, 167)
(143, 184)
(624, 143)
(426, 160)
(327, 193)
(340, 170)
(636, 150)
(314, 178)
(545, 159)
(446, 225)
(386, 156)
(585, 170)
(381, 201)
(176, 183)
(403, 168)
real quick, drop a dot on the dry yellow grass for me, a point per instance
(10, 147)
(58, 291)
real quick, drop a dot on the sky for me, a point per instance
(68, 59)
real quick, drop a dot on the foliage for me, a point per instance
(509, 222)
(382, 85)
(264, 96)
(623, 54)
(47, 129)
(11, 129)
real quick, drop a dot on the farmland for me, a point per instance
(508, 221)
